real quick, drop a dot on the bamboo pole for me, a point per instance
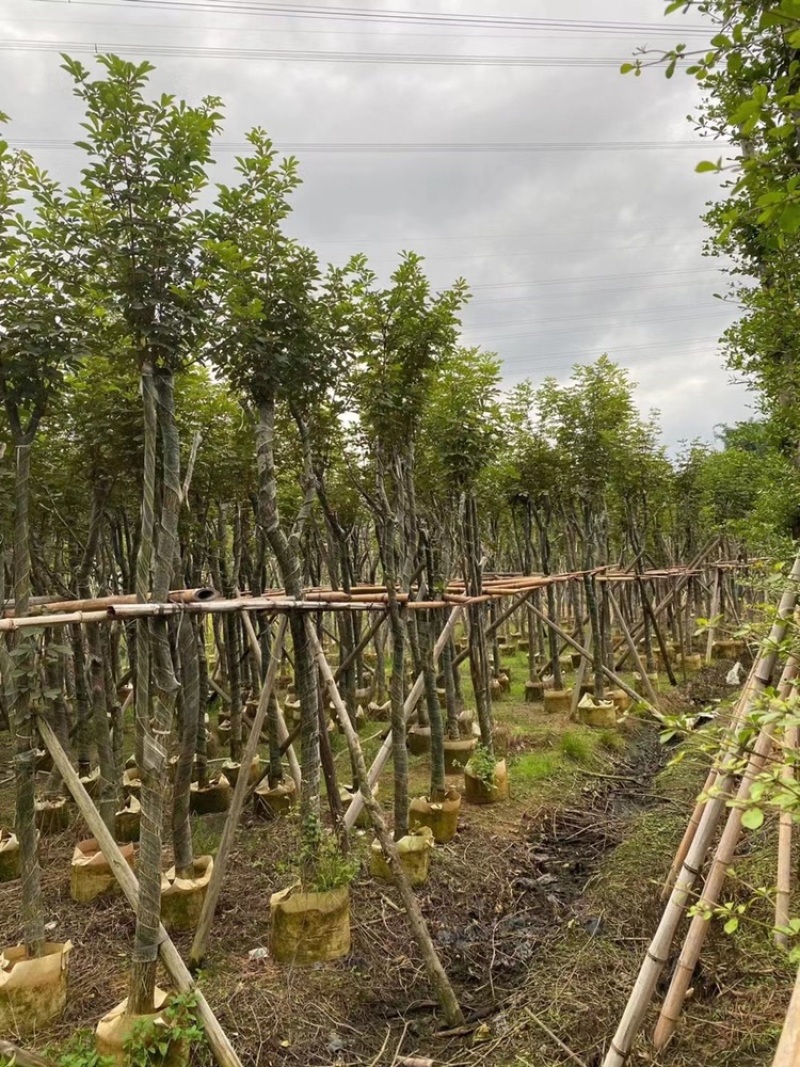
(711, 779)
(723, 857)
(357, 803)
(658, 952)
(785, 832)
(714, 613)
(419, 928)
(238, 799)
(638, 665)
(611, 675)
(218, 1040)
(787, 1053)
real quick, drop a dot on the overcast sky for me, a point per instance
(570, 251)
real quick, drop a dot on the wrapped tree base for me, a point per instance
(414, 851)
(90, 873)
(274, 802)
(128, 821)
(91, 783)
(534, 693)
(557, 701)
(441, 817)
(419, 740)
(598, 713)
(132, 782)
(182, 898)
(310, 927)
(33, 992)
(380, 712)
(115, 1028)
(52, 816)
(621, 700)
(9, 856)
(457, 754)
(215, 798)
(478, 791)
(501, 739)
(232, 770)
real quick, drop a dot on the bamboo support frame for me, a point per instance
(419, 928)
(723, 857)
(783, 890)
(240, 793)
(357, 803)
(611, 675)
(658, 951)
(218, 1040)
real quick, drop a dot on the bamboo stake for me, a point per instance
(611, 675)
(419, 928)
(22, 1058)
(657, 953)
(218, 1041)
(723, 857)
(787, 1053)
(240, 793)
(714, 613)
(638, 665)
(785, 831)
(356, 804)
(711, 778)
(283, 731)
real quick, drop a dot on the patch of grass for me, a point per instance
(611, 740)
(576, 746)
(535, 767)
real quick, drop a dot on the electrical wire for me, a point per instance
(57, 143)
(407, 17)
(424, 59)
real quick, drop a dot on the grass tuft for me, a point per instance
(578, 747)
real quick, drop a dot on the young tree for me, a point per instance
(137, 205)
(41, 337)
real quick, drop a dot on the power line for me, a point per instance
(303, 56)
(595, 277)
(611, 350)
(46, 143)
(652, 314)
(591, 329)
(405, 17)
(481, 301)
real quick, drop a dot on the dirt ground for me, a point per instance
(540, 908)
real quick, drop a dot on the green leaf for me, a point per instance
(753, 818)
(731, 926)
(705, 166)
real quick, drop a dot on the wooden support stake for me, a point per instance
(639, 666)
(723, 858)
(218, 1041)
(783, 892)
(419, 928)
(357, 804)
(611, 675)
(658, 951)
(240, 794)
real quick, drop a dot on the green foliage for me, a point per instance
(576, 746)
(150, 1042)
(482, 764)
(80, 1051)
(323, 857)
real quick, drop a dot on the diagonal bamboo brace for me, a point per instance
(658, 953)
(419, 928)
(240, 794)
(723, 858)
(356, 805)
(218, 1041)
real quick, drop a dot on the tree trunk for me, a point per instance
(20, 681)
